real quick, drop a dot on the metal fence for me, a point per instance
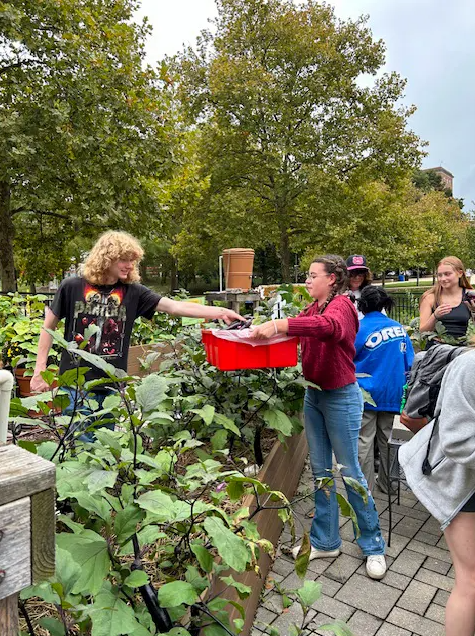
(406, 306)
(23, 305)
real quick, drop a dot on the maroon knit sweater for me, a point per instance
(327, 342)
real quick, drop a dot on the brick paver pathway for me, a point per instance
(409, 601)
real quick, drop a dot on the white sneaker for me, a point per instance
(376, 566)
(316, 554)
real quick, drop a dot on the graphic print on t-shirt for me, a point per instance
(104, 309)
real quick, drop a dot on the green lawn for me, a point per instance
(406, 286)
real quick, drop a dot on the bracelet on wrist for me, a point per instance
(275, 326)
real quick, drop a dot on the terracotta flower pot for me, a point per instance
(23, 382)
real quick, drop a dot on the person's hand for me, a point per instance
(264, 331)
(442, 310)
(228, 315)
(37, 384)
(470, 303)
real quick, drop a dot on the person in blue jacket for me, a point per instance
(384, 353)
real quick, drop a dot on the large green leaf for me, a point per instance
(203, 555)
(338, 628)
(231, 548)
(278, 421)
(125, 522)
(43, 590)
(97, 480)
(54, 626)
(151, 392)
(177, 593)
(67, 570)
(163, 507)
(137, 578)
(112, 617)
(227, 423)
(98, 362)
(207, 413)
(309, 593)
(89, 551)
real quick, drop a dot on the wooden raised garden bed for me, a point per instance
(281, 471)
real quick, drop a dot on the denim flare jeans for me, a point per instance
(332, 422)
(85, 405)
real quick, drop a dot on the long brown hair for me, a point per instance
(367, 280)
(333, 264)
(457, 265)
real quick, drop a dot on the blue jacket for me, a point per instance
(384, 351)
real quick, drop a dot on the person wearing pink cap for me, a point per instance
(360, 276)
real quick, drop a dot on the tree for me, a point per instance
(84, 126)
(279, 94)
(439, 228)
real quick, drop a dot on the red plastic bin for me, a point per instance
(232, 356)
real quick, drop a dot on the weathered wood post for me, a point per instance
(6, 386)
(27, 528)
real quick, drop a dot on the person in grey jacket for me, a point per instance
(447, 488)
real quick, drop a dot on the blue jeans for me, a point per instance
(85, 407)
(332, 422)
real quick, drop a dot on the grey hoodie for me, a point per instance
(452, 447)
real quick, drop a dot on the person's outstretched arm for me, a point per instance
(195, 310)
(37, 384)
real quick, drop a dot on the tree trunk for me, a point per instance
(7, 265)
(173, 276)
(284, 254)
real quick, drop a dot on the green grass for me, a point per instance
(408, 285)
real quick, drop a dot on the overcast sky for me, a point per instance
(429, 42)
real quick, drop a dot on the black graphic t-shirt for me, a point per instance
(113, 308)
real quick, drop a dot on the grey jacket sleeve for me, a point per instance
(457, 415)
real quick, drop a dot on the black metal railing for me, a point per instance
(406, 306)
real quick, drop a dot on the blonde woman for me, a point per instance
(446, 302)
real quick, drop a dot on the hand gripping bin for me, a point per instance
(228, 355)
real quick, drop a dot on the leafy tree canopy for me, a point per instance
(83, 123)
(281, 94)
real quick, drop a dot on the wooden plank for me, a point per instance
(281, 471)
(225, 296)
(140, 351)
(15, 547)
(23, 474)
(43, 522)
(9, 616)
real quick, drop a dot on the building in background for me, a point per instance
(446, 177)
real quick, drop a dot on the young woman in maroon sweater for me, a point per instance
(327, 330)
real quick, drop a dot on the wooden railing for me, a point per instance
(27, 521)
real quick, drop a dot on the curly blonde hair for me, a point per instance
(111, 247)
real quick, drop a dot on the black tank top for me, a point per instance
(456, 321)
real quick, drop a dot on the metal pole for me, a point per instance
(221, 273)
(6, 386)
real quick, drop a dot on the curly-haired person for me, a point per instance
(327, 330)
(108, 295)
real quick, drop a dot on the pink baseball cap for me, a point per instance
(356, 261)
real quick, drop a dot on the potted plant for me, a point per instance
(19, 335)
